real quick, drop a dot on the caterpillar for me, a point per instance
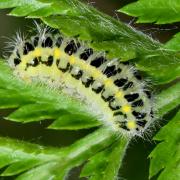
(114, 90)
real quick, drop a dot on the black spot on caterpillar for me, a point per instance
(17, 61)
(113, 90)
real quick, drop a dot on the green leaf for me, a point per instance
(35, 4)
(167, 100)
(105, 165)
(90, 145)
(96, 165)
(158, 66)
(74, 122)
(103, 33)
(18, 157)
(38, 7)
(36, 112)
(166, 155)
(174, 43)
(35, 102)
(159, 11)
(30, 161)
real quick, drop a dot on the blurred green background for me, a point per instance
(136, 163)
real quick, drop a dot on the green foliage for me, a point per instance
(73, 18)
(159, 11)
(21, 156)
(174, 43)
(167, 100)
(166, 155)
(102, 150)
(30, 161)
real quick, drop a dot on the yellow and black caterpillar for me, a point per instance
(113, 90)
